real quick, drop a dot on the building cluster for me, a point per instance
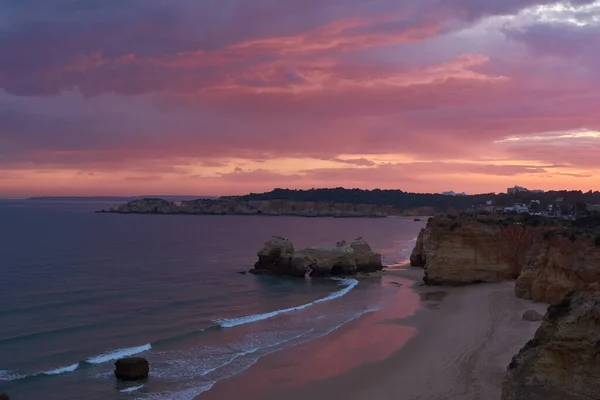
(452, 193)
(534, 207)
(521, 189)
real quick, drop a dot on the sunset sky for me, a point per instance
(216, 97)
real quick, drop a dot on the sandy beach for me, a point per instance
(430, 343)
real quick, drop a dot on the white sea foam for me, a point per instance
(350, 284)
(62, 370)
(9, 375)
(120, 353)
(186, 394)
(231, 322)
(232, 359)
(131, 389)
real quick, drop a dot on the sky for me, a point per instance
(222, 97)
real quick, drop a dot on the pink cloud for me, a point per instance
(434, 82)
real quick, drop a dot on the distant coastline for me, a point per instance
(236, 206)
(351, 203)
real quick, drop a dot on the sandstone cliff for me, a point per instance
(233, 206)
(457, 251)
(278, 257)
(548, 257)
(562, 362)
(558, 264)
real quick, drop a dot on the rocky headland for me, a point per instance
(278, 257)
(236, 206)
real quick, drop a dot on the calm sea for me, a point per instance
(80, 290)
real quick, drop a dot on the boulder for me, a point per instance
(276, 255)
(132, 368)
(4, 396)
(532, 316)
(562, 361)
(365, 258)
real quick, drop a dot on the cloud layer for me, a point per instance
(228, 96)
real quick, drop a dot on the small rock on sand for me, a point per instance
(533, 316)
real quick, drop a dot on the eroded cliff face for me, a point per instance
(557, 265)
(562, 361)
(266, 207)
(548, 259)
(456, 251)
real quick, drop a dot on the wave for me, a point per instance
(231, 322)
(62, 370)
(131, 389)
(116, 354)
(186, 394)
(15, 376)
(254, 350)
(10, 376)
(164, 341)
(232, 359)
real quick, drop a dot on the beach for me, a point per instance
(456, 345)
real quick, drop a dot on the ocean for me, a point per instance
(80, 290)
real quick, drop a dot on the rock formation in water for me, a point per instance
(233, 206)
(548, 258)
(278, 257)
(366, 259)
(132, 368)
(562, 361)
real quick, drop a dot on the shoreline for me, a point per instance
(435, 343)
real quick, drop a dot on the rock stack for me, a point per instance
(278, 257)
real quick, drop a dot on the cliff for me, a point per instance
(235, 206)
(561, 361)
(456, 251)
(560, 263)
(547, 257)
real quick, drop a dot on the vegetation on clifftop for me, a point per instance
(404, 200)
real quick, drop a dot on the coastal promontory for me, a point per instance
(235, 206)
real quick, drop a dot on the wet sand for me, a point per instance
(430, 343)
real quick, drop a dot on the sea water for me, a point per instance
(80, 290)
